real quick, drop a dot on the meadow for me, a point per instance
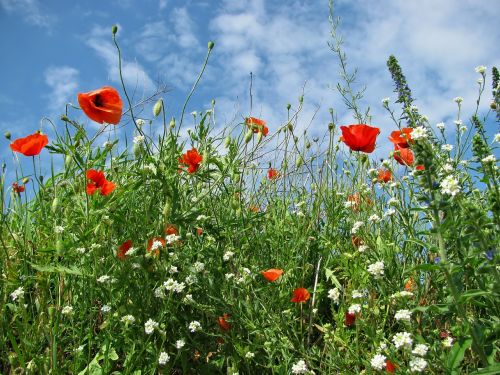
(255, 249)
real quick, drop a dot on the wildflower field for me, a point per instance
(255, 249)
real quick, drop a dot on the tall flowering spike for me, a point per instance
(191, 159)
(31, 145)
(360, 137)
(272, 274)
(102, 105)
(402, 89)
(122, 250)
(402, 138)
(98, 182)
(257, 125)
(403, 156)
(300, 295)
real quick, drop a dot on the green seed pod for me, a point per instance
(7, 135)
(227, 141)
(493, 105)
(114, 29)
(299, 162)
(301, 99)
(248, 136)
(210, 45)
(290, 126)
(213, 102)
(157, 107)
(308, 145)
(68, 160)
(330, 126)
(55, 204)
(172, 123)
(65, 118)
(288, 106)
(26, 180)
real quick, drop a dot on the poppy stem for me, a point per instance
(313, 301)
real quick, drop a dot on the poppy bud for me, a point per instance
(7, 135)
(330, 110)
(137, 150)
(67, 160)
(26, 180)
(330, 126)
(157, 107)
(301, 99)
(172, 123)
(210, 45)
(493, 105)
(308, 145)
(167, 209)
(213, 102)
(259, 137)
(114, 29)
(299, 162)
(290, 126)
(288, 106)
(65, 118)
(227, 141)
(248, 136)
(55, 204)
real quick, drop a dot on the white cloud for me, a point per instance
(30, 10)
(63, 81)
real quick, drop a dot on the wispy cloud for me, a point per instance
(63, 81)
(30, 11)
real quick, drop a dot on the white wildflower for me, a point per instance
(349, 204)
(458, 99)
(403, 315)
(378, 361)
(419, 133)
(229, 276)
(198, 267)
(17, 294)
(480, 69)
(402, 339)
(385, 102)
(67, 310)
(450, 186)
(357, 294)
(172, 270)
(128, 319)
(249, 355)
(496, 138)
(386, 163)
(389, 212)
(163, 359)
(103, 279)
(458, 122)
(188, 298)
(393, 201)
(363, 248)
(448, 342)
(169, 284)
(356, 226)
(420, 349)
(58, 229)
(156, 245)
(160, 292)
(334, 295)
(80, 250)
(376, 269)
(463, 129)
(227, 255)
(489, 159)
(179, 344)
(414, 108)
(172, 238)
(354, 308)
(440, 126)
(417, 364)
(106, 308)
(140, 122)
(150, 326)
(138, 139)
(107, 144)
(150, 168)
(191, 279)
(374, 218)
(300, 367)
(179, 287)
(194, 326)
(402, 294)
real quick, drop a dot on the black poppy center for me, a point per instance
(98, 101)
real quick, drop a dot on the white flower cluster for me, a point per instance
(354, 308)
(334, 295)
(402, 294)
(419, 132)
(417, 364)
(450, 186)
(420, 350)
(18, 293)
(489, 159)
(150, 326)
(404, 315)
(163, 359)
(300, 367)
(480, 69)
(128, 319)
(67, 310)
(227, 256)
(138, 139)
(402, 340)
(376, 269)
(378, 361)
(179, 344)
(447, 147)
(356, 226)
(440, 126)
(173, 285)
(194, 326)
(172, 238)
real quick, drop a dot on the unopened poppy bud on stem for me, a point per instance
(157, 107)
(7, 135)
(55, 204)
(210, 45)
(114, 29)
(259, 137)
(26, 180)
(172, 123)
(248, 136)
(227, 141)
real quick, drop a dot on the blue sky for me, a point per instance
(54, 49)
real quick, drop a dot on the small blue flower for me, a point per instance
(489, 254)
(437, 260)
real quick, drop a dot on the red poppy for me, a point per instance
(257, 125)
(199, 231)
(102, 105)
(356, 200)
(300, 295)
(122, 250)
(403, 156)
(420, 167)
(410, 285)
(360, 137)
(191, 159)
(390, 367)
(254, 208)
(153, 240)
(31, 145)
(171, 229)
(384, 175)
(16, 188)
(272, 174)
(99, 182)
(223, 323)
(350, 319)
(401, 138)
(272, 274)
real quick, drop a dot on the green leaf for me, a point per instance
(330, 276)
(457, 353)
(490, 370)
(57, 269)
(474, 293)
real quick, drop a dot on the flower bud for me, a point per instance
(493, 105)
(290, 126)
(65, 118)
(330, 126)
(210, 45)
(308, 145)
(55, 204)
(172, 123)
(227, 141)
(259, 136)
(248, 136)
(213, 102)
(299, 161)
(157, 107)
(114, 29)
(26, 180)
(68, 160)
(7, 135)
(288, 106)
(330, 110)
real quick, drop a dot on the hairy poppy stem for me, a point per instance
(313, 301)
